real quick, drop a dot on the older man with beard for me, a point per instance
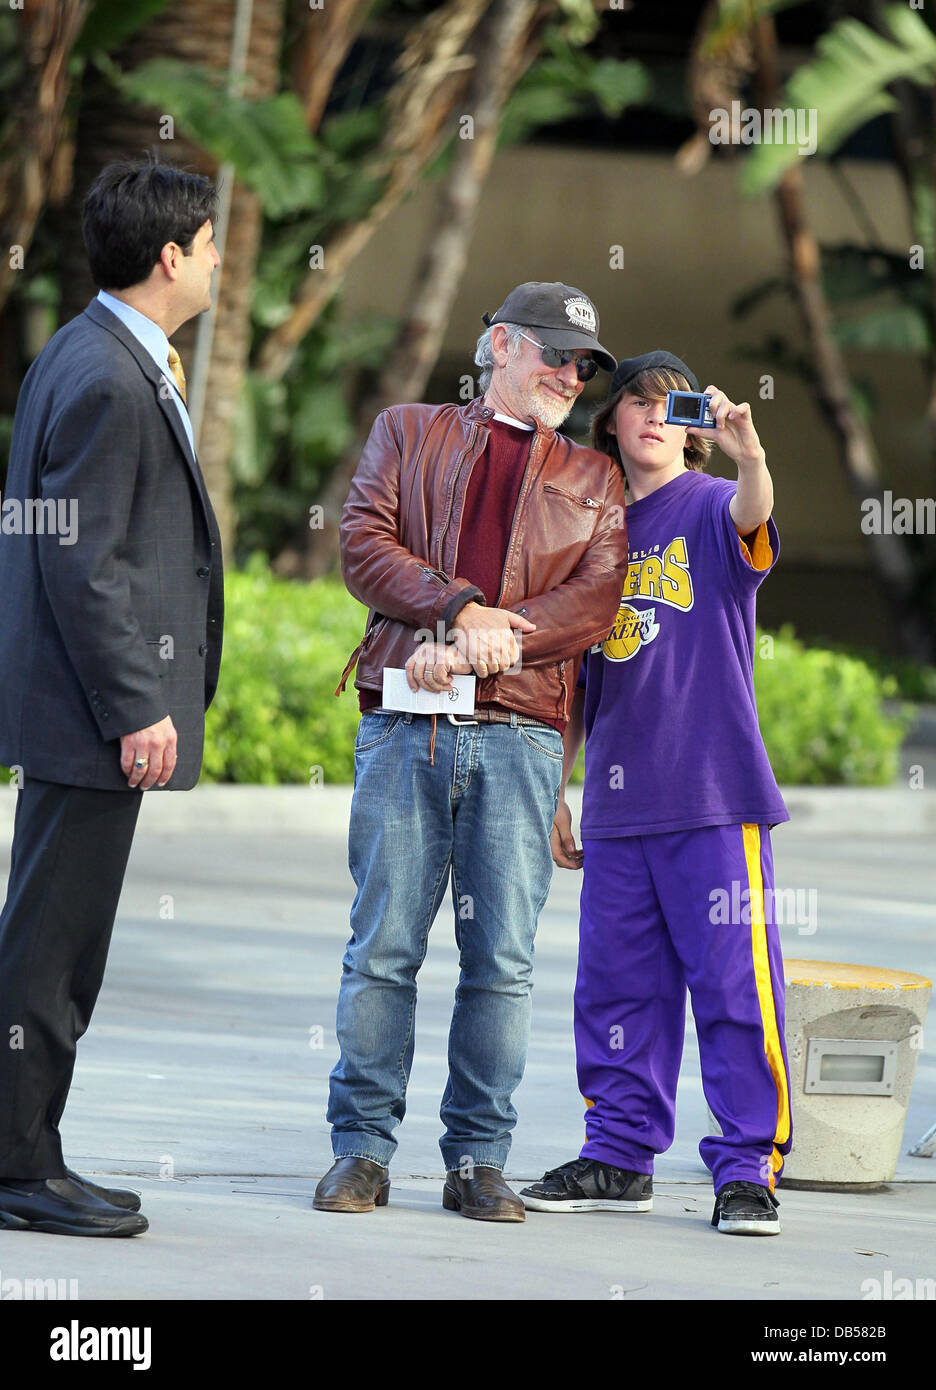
(483, 525)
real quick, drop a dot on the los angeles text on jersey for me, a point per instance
(77, 1343)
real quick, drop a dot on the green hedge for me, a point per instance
(275, 716)
(914, 680)
(821, 715)
(276, 719)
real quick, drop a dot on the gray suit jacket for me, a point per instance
(111, 585)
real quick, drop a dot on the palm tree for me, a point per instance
(33, 158)
(111, 126)
(847, 81)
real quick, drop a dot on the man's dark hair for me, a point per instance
(132, 209)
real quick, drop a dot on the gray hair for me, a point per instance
(484, 357)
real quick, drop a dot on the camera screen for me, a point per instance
(686, 405)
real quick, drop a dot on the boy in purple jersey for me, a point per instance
(678, 803)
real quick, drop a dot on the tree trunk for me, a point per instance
(912, 124)
(326, 36)
(504, 53)
(715, 82)
(434, 71)
(30, 158)
(932, 272)
(110, 128)
(890, 555)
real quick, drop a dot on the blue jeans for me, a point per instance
(484, 810)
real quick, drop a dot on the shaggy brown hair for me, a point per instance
(652, 385)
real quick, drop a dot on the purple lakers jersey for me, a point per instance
(672, 739)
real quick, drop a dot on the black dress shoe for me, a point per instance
(121, 1197)
(62, 1207)
(484, 1196)
(352, 1184)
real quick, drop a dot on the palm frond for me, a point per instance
(110, 22)
(846, 85)
(267, 141)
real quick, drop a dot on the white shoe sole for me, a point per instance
(748, 1228)
(586, 1204)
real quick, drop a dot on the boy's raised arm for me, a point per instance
(736, 436)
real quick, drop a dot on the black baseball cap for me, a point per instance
(631, 367)
(563, 317)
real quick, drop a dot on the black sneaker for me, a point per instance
(746, 1209)
(586, 1185)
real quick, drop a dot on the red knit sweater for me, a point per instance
(487, 519)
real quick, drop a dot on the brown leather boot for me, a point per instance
(484, 1196)
(352, 1184)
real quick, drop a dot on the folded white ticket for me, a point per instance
(397, 695)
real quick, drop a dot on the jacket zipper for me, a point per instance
(513, 523)
(458, 468)
(368, 635)
(582, 501)
(565, 693)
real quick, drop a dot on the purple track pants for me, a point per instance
(660, 913)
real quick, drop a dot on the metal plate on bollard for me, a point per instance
(850, 1067)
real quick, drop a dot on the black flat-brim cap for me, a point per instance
(630, 367)
(561, 315)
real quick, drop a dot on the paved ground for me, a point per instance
(204, 1076)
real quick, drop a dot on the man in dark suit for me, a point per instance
(110, 646)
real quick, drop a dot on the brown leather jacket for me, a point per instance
(564, 568)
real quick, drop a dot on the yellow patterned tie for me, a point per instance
(175, 367)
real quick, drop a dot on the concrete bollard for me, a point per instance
(853, 1036)
(853, 1033)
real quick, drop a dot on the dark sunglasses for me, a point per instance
(585, 367)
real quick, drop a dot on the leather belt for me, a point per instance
(482, 716)
(502, 716)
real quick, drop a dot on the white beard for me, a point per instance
(545, 408)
